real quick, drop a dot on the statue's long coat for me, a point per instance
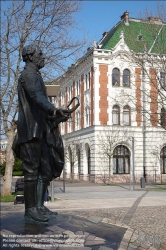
(33, 118)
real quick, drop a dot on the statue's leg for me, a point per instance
(44, 179)
(29, 153)
(31, 210)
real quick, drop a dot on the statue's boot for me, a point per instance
(41, 190)
(31, 210)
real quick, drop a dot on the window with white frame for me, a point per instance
(69, 93)
(78, 120)
(163, 80)
(126, 115)
(62, 98)
(78, 88)
(126, 78)
(62, 127)
(115, 77)
(116, 115)
(121, 160)
(87, 116)
(87, 81)
(163, 118)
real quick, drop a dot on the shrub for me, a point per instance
(17, 173)
(2, 168)
(17, 168)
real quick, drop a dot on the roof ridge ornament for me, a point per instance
(121, 36)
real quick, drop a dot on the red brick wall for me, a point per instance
(138, 96)
(153, 97)
(82, 100)
(103, 93)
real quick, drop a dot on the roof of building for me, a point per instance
(139, 35)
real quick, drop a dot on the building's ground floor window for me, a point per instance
(163, 160)
(121, 160)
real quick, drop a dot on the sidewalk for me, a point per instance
(142, 211)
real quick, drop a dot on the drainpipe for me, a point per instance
(144, 122)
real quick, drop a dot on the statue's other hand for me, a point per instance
(59, 112)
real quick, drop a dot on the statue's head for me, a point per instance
(33, 53)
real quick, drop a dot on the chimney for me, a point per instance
(125, 17)
(105, 33)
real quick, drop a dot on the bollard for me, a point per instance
(142, 182)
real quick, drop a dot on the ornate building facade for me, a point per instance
(117, 132)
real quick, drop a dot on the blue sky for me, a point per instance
(99, 16)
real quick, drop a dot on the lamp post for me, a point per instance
(132, 169)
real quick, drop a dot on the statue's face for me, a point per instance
(38, 58)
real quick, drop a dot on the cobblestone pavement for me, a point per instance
(145, 231)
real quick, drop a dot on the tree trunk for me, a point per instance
(109, 168)
(7, 184)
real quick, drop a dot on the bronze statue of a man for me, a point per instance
(35, 113)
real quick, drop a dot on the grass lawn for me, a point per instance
(9, 198)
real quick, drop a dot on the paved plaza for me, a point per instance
(108, 217)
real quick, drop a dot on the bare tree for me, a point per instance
(71, 154)
(157, 161)
(108, 139)
(152, 62)
(47, 23)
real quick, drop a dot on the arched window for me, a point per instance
(163, 160)
(87, 116)
(115, 77)
(126, 78)
(78, 120)
(126, 115)
(163, 118)
(69, 93)
(78, 88)
(121, 160)
(163, 80)
(79, 160)
(116, 115)
(70, 160)
(88, 158)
